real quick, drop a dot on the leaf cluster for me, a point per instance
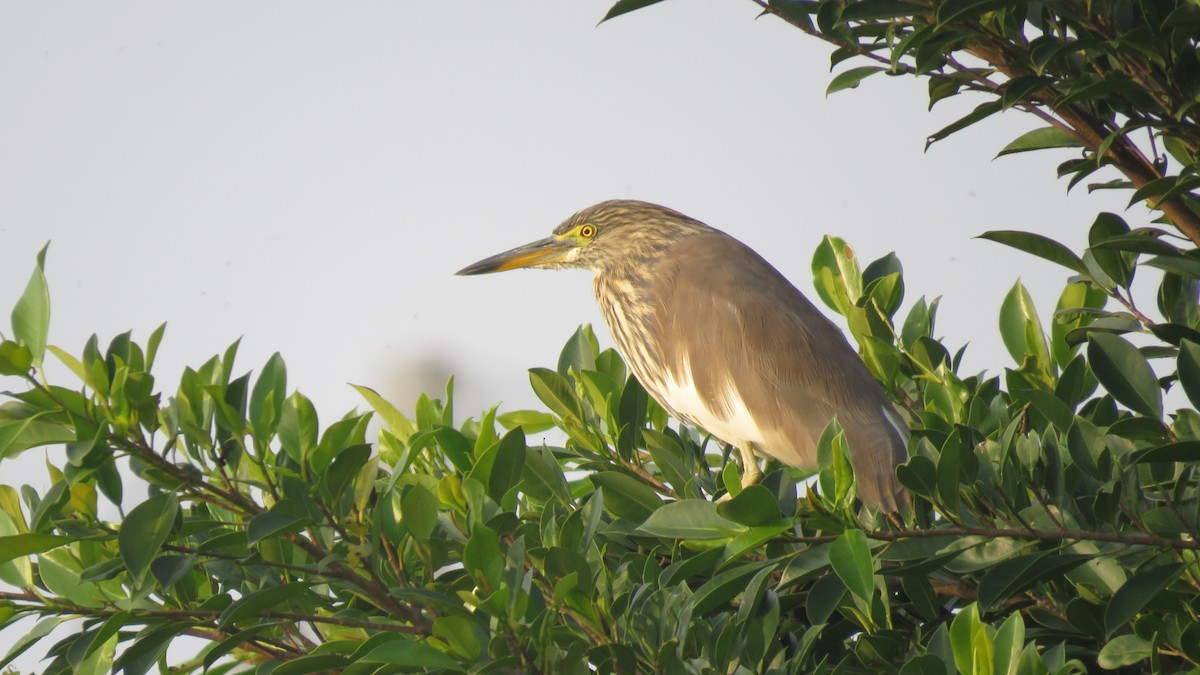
(1054, 526)
(1117, 79)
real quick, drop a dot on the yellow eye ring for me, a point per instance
(587, 231)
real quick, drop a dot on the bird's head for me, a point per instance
(619, 231)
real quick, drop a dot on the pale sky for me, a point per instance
(310, 175)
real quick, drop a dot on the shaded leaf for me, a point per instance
(1136, 593)
(849, 79)
(850, 557)
(626, 6)
(262, 600)
(689, 519)
(144, 531)
(1040, 139)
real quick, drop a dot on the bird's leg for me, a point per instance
(751, 472)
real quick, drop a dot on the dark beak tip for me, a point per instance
(474, 269)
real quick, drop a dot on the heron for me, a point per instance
(723, 341)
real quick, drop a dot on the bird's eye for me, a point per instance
(587, 231)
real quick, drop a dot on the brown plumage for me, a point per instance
(724, 341)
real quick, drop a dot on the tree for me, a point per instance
(1056, 520)
(1099, 74)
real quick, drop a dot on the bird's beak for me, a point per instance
(536, 254)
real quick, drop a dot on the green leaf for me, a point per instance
(148, 647)
(1010, 641)
(753, 506)
(544, 478)
(21, 545)
(411, 655)
(1125, 373)
(627, 497)
(1183, 451)
(919, 474)
(1182, 265)
(144, 531)
(484, 558)
(533, 421)
(419, 509)
(39, 631)
(850, 557)
(271, 523)
(1138, 592)
(298, 428)
(558, 395)
(1075, 296)
(509, 465)
(1022, 330)
(720, 589)
(1040, 139)
(251, 604)
(31, 316)
(1058, 413)
(849, 79)
(962, 637)
(1125, 650)
(20, 435)
(579, 353)
(15, 359)
(313, 663)
(688, 519)
(980, 112)
(823, 598)
(835, 274)
(169, 569)
(1012, 577)
(1038, 245)
(1189, 371)
(266, 400)
(1114, 263)
(626, 6)
(220, 649)
(396, 422)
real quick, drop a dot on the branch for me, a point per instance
(30, 602)
(1057, 534)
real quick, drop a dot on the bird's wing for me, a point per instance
(736, 324)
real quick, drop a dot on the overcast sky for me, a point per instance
(308, 176)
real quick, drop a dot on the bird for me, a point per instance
(722, 340)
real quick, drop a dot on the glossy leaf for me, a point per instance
(1125, 373)
(1040, 139)
(1139, 591)
(20, 545)
(267, 398)
(836, 277)
(689, 519)
(1189, 370)
(851, 78)
(1124, 650)
(145, 530)
(1022, 330)
(850, 557)
(1038, 245)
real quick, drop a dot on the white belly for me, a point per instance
(728, 418)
